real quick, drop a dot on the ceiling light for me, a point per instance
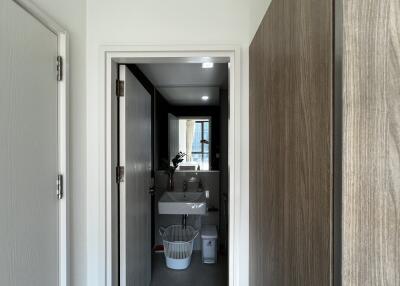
(207, 65)
(204, 97)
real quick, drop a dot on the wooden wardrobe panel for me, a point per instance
(371, 143)
(291, 145)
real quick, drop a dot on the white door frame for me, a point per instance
(63, 150)
(238, 264)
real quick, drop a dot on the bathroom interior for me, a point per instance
(189, 197)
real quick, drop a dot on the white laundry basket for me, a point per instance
(178, 245)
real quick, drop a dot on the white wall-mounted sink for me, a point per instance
(191, 203)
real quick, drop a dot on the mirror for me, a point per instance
(192, 137)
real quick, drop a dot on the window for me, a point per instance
(201, 144)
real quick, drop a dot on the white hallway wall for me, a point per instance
(72, 16)
(157, 22)
(93, 23)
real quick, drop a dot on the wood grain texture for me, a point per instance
(291, 145)
(371, 146)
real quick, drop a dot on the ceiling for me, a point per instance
(186, 83)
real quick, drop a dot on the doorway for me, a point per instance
(165, 136)
(113, 59)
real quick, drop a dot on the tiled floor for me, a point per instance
(198, 274)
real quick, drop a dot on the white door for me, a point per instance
(135, 200)
(29, 208)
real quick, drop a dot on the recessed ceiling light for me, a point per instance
(207, 65)
(204, 97)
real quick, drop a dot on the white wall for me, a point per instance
(92, 23)
(71, 15)
(157, 22)
(257, 12)
(182, 135)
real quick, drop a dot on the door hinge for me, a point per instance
(120, 88)
(60, 191)
(120, 173)
(59, 68)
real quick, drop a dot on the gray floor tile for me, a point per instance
(198, 274)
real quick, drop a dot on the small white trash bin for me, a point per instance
(209, 237)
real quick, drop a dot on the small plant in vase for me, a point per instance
(171, 168)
